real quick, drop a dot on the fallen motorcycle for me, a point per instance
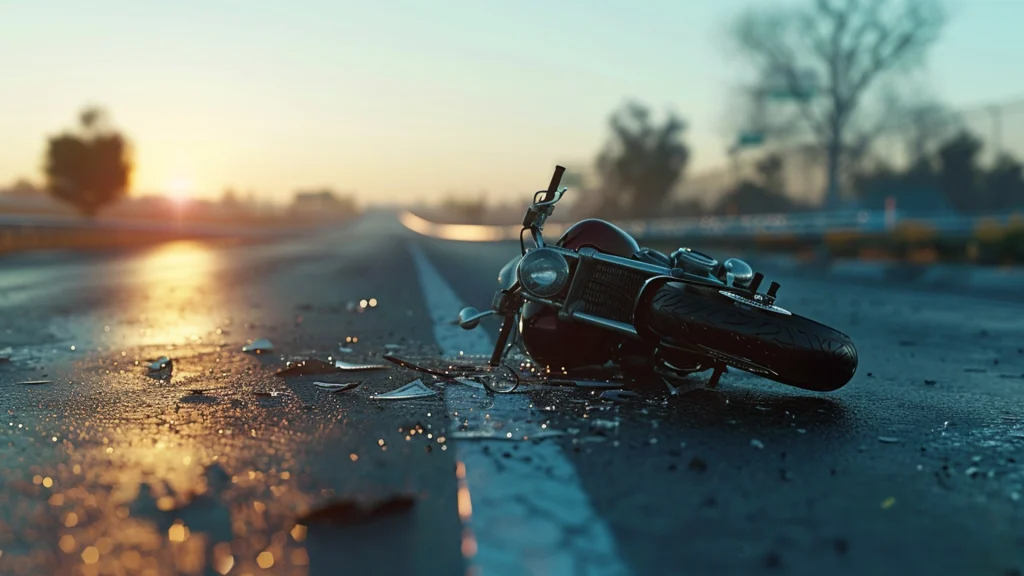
(595, 298)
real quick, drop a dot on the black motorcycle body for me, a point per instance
(596, 297)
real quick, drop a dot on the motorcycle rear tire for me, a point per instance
(798, 351)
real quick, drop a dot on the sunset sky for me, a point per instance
(399, 100)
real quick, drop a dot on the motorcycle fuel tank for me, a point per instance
(558, 344)
(604, 236)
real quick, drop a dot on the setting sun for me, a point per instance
(179, 190)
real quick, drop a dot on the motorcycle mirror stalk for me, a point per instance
(470, 317)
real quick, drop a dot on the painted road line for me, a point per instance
(527, 514)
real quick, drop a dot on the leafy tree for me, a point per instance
(641, 163)
(824, 56)
(90, 168)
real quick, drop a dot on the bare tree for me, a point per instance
(826, 55)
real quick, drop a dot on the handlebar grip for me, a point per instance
(556, 179)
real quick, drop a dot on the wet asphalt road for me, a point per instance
(917, 466)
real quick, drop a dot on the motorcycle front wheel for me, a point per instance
(786, 348)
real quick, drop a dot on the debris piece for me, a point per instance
(6, 353)
(972, 471)
(306, 367)
(757, 444)
(618, 395)
(160, 364)
(414, 389)
(354, 512)
(258, 346)
(393, 347)
(888, 439)
(348, 366)
(697, 464)
(930, 382)
(198, 391)
(335, 388)
(344, 349)
(888, 503)
(268, 394)
(672, 390)
(34, 382)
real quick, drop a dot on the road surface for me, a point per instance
(914, 468)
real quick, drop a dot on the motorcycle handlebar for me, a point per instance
(556, 179)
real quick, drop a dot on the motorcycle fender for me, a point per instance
(508, 276)
(642, 305)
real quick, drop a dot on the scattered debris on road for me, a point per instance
(335, 388)
(888, 439)
(268, 394)
(757, 444)
(258, 346)
(414, 389)
(34, 382)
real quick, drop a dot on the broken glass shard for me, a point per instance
(268, 394)
(344, 349)
(618, 395)
(348, 366)
(335, 388)
(888, 439)
(34, 382)
(471, 383)
(393, 346)
(414, 389)
(161, 363)
(258, 346)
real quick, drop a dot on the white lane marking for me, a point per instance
(529, 512)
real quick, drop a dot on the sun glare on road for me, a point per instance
(173, 287)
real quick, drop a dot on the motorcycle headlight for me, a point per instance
(543, 272)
